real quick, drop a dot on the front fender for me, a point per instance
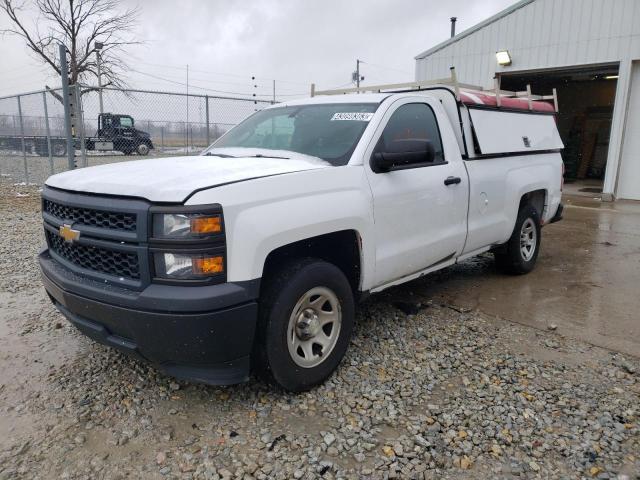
(264, 214)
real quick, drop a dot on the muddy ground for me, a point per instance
(463, 374)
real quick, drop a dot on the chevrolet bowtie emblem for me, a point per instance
(69, 234)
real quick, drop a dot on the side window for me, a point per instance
(413, 121)
(126, 122)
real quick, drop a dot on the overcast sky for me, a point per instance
(295, 42)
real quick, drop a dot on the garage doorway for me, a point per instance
(585, 101)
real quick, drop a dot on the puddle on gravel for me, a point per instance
(585, 281)
(27, 361)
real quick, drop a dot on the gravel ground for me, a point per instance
(427, 390)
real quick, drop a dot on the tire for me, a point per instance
(518, 256)
(59, 149)
(287, 353)
(142, 149)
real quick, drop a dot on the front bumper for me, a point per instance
(204, 334)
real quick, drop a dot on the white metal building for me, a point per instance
(589, 50)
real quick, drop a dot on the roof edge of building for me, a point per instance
(507, 11)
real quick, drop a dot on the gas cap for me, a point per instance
(483, 205)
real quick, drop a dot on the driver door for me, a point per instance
(419, 213)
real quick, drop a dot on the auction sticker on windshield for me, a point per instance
(356, 116)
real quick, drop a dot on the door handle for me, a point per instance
(452, 180)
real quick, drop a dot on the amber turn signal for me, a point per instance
(206, 224)
(208, 265)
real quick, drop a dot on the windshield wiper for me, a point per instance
(257, 155)
(260, 155)
(221, 155)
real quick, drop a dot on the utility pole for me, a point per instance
(187, 129)
(64, 73)
(355, 76)
(274, 91)
(98, 46)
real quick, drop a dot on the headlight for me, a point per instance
(185, 225)
(184, 266)
(188, 244)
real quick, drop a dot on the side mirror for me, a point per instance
(402, 154)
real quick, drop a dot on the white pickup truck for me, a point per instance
(251, 256)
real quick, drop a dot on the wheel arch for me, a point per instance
(534, 183)
(537, 199)
(341, 248)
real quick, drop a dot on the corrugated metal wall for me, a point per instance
(542, 34)
(629, 179)
(547, 34)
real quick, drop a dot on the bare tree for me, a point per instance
(77, 24)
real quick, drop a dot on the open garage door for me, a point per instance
(586, 98)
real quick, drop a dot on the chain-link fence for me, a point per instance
(109, 126)
(31, 126)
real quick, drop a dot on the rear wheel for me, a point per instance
(518, 256)
(59, 149)
(306, 321)
(142, 149)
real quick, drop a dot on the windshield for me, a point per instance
(327, 131)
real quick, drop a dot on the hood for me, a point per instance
(173, 179)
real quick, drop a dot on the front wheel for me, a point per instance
(306, 320)
(518, 256)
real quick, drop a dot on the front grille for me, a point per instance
(91, 217)
(102, 260)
